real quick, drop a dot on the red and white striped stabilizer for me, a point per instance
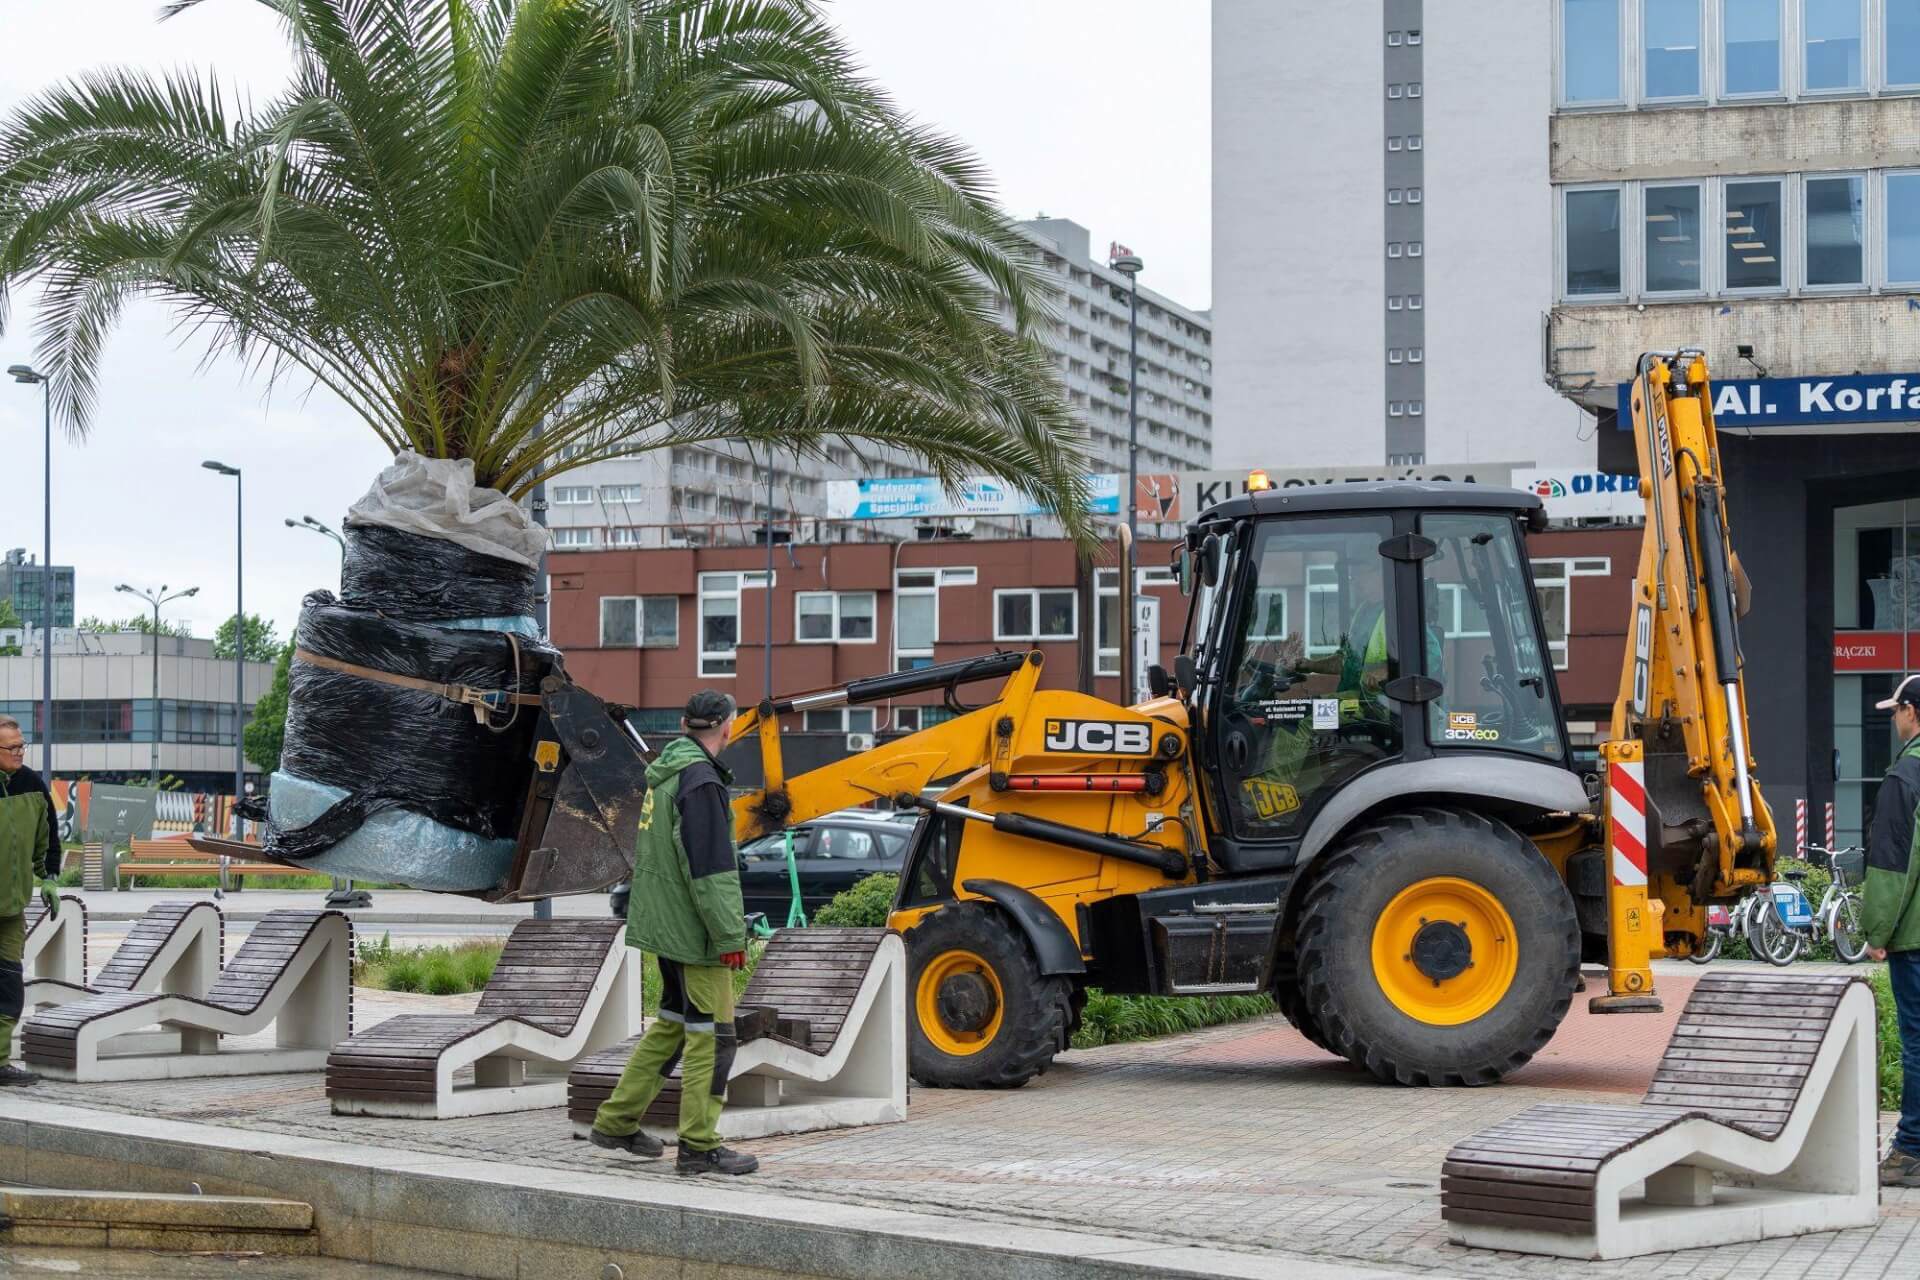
(1800, 828)
(1627, 816)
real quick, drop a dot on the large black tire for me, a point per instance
(1353, 885)
(1293, 1003)
(1035, 1011)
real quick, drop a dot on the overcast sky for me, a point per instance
(1094, 110)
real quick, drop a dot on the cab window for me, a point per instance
(1482, 642)
(1313, 645)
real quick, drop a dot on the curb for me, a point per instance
(500, 1221)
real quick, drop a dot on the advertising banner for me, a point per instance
(925, 498)
(1892, 651)
(1573, 495)
(1202, 489)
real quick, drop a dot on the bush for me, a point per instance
(1119, 1019)
(440, 971)
(864, 906)
(1889, 1065)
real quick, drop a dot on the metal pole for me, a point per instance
(239, 653)
(153, 756)
(46, 601)
(542, 907)
(768, 594)
(1133, 398)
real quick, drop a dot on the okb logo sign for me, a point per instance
(1100, 737)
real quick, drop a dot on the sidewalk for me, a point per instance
(1243, 1139)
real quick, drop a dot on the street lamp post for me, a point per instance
(239, 645)
(26, 374)
(1129, 265)
(308, 522)
(156, 599)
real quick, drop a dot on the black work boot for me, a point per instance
(10, 1074)
(637, 1143)
(718, 1160)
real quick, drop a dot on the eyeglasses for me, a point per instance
(13, 751)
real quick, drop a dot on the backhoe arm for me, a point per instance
(1685, 819)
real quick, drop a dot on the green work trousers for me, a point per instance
(694, 1029)
(13, 985)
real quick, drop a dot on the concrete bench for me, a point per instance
(175, 947)
(55, 949)
(1769, 1078)
(293, 973)
(822, 1029)
(562, 988)
(150, 858)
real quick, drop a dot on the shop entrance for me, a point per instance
(1876, 642)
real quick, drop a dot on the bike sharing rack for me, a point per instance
(1769, 1081)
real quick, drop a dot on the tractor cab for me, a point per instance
(1347, 630)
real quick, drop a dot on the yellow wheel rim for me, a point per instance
(967, 1019)
(1444, 951)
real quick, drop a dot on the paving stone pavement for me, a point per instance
(1242, 1137)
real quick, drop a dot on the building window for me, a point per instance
(572, 495)
(1393, 355)
(1393, 195)
(1323, 610)
(1589, 51)
(622, 493)
(1553, 584)
(1461, 617)
(838, 720)
(1414, 142)
(1415, 248)
(828, 617)
(1393, 248)
(1394, 144)
(1415, 301)
(1396, 408)
(1035, 614)
(1106, 591)
(623, 537)
(1754, 236)
(1416, 407)
(1750, 47)
(639, 622)
(914, 719)
(1394, 91)
(1592, 240)
(1672, 239)
(1836, 230)
(720, 619)
(1413, 89)
(1670, 49)
(1416, 355)
(1395, 302)
(1901, 31)
(572, 538)
(1903, 229)
(1831, 44)
(1413, 195)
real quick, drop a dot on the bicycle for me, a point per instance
(1719, 929)
(1839, 912)
(1778, 924)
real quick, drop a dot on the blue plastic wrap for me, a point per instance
(395, 846)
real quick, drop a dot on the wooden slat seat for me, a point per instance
(54, 947)
(173, 947)
(560, 985)
(290, 957)
(812, 992)
(149, 858)
(1757, 1057)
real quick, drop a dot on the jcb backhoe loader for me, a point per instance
(1355, 791)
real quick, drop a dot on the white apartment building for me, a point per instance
(1383, 235)
(717, 493)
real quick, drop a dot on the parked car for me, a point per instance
(830, 853)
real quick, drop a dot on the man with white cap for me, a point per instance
(1891, 917)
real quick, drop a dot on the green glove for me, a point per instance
(50, 897)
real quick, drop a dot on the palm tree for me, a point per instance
(540, 233)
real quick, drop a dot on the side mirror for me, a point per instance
(1184, 674)
(1183, 570)
(1159, 683)
(1210, 557)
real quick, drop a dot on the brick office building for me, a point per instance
(648, 627)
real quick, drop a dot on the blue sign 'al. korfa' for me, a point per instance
(1740, 403)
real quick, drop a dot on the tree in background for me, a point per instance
(142, 623)
(9, 618)
(266, 732)
(263, 640)
(541, 233)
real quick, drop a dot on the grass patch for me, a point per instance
(1889, 1065)
(437, 971)
(1120, 1019)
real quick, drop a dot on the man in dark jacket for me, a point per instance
(1890, 916)
(686, 909)
(26, 836)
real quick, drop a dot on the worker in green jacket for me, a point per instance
(1890, 917)
(26, 833)
(685, 908)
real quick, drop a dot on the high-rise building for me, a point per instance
(24, 582)
(1382, 241)
(717, 493)
(1743, 176)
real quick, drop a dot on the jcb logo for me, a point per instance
(1642, 655)
(646, 811)
(1100, 737)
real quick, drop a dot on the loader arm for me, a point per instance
(1685, 821)
(905, 765)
